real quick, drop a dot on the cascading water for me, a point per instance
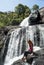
(15, 44)
(18, 39)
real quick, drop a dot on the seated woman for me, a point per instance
(30, 51)
(29, 55)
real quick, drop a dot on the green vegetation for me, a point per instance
(35, 7)
(14, 18)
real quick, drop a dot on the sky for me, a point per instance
(9, 5)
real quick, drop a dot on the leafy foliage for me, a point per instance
(35, 7)
(20, 9)
(15, 18)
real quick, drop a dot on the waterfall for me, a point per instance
(16, 44)
(18, 39)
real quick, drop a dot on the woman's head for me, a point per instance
(30, 42)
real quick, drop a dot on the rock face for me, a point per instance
(40, 59)
(42, 13)
(39, 62)
(3, 34)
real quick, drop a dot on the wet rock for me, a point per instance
(4, 32)
(40, 59)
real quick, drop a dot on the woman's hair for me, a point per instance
(30, 42)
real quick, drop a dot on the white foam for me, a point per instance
(15, 59)
(25, 22)
(36, 48)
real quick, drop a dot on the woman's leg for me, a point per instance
(26, 53)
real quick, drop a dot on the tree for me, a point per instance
(35, 7)
(20, 9)
(27, 10)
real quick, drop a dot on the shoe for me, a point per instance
(24, 59)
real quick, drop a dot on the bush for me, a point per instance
(16, 21)
(1, 24)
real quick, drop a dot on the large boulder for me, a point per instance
(40, 59)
